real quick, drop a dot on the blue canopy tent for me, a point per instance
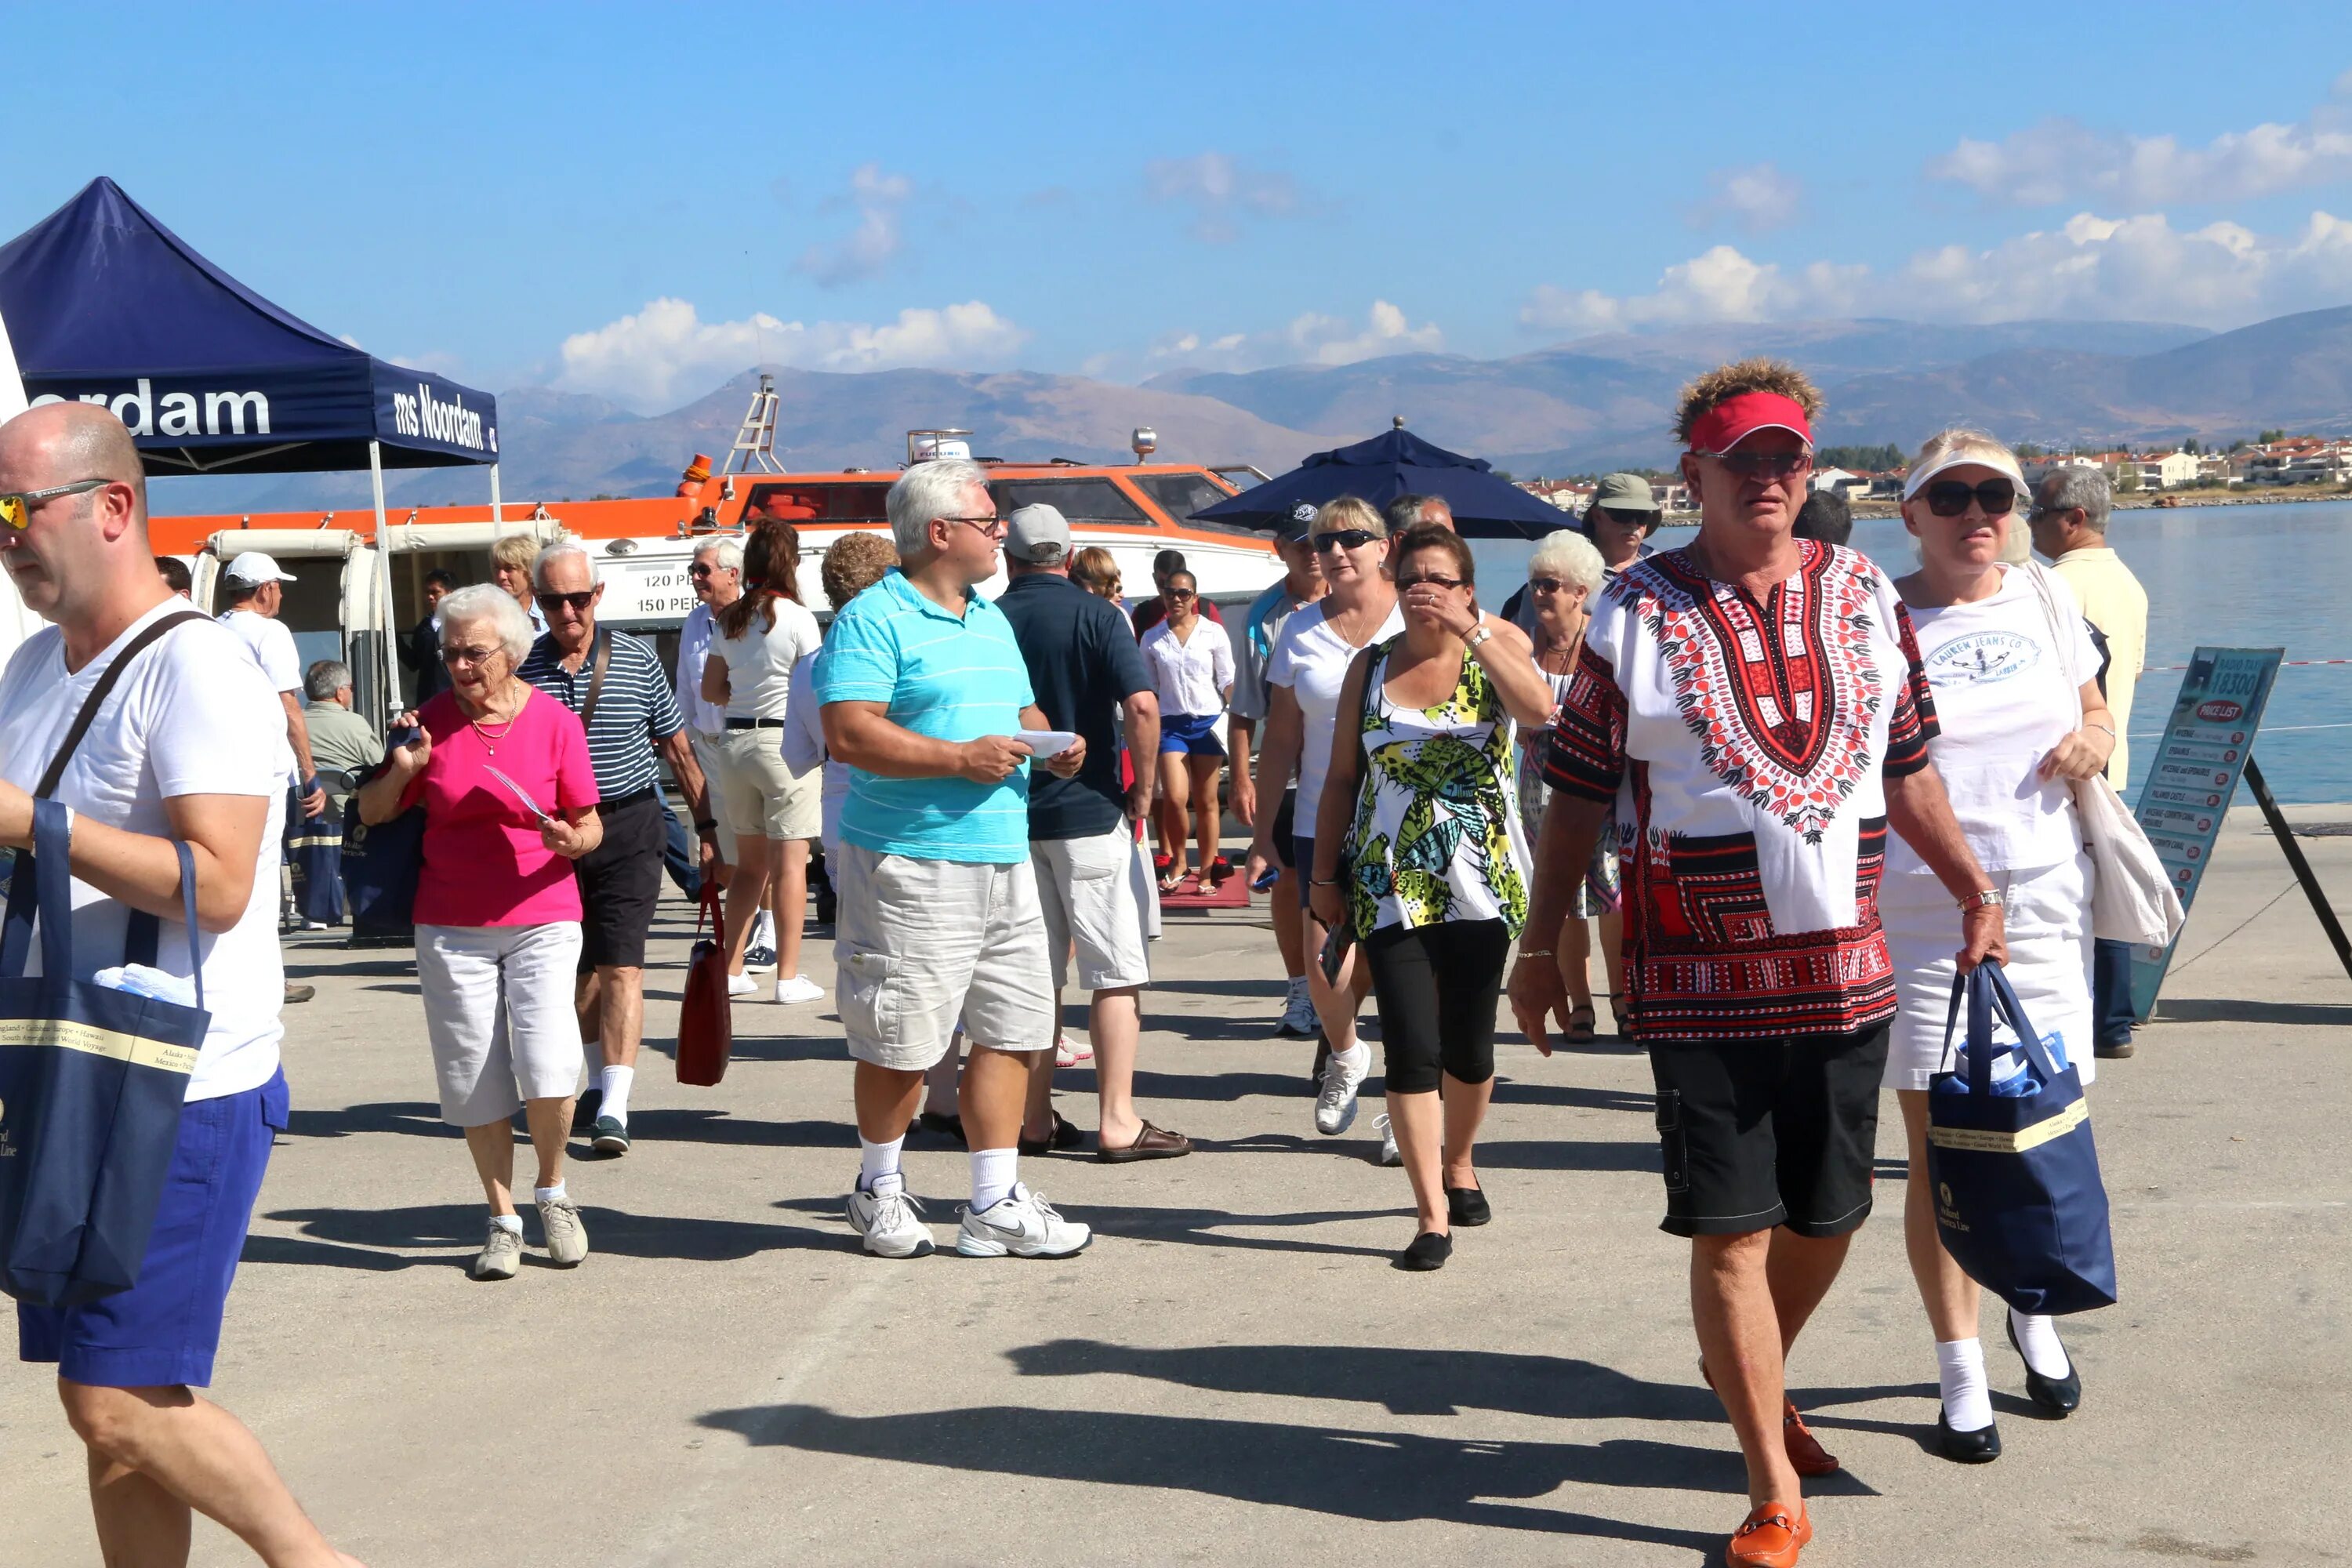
(106, 305)
(1386, 466)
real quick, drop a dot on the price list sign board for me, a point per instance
(2196, 771)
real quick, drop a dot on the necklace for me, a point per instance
(489, 740)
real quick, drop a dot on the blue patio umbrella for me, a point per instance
(1386, 466)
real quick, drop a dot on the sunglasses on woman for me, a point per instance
(1431, 580)
(1951, 498)
(1344, 539)
(1550, 584)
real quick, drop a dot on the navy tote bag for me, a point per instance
(380, 864)
(91, 1082)
(314, 854)
(2019, 1202)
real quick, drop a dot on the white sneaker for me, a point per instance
(1023, 1224)
(1298, 1020)
(741, 985)
(567, 1237)
(799, 988)
(1335, 1107)
(887, 1218)
(1066, 1055)
(1389, 1155)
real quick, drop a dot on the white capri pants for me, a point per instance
(498, 1009)
(2046, 914)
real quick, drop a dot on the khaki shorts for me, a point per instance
(1087, 888)
(762, 797)
(921, 942)
(705, 757)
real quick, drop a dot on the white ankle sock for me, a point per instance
(1358, 1059)
(2038, 1341)
(993, 1173)
(1960, 1369)
(510, 1222)
(877, 1160)
(555, 1193)
(615, 1082)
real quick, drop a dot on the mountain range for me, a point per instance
(1586, 406)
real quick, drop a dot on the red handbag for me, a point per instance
(706, 1025)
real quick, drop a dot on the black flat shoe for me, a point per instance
(943, 1124)
(1981, 1446)
(1428, 1252)
(1466, 1206)
(1063, 1137)
(2058, 1395)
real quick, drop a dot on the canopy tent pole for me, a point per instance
(497, 513)
(387, 664)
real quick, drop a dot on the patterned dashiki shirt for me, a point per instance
(1746, 747)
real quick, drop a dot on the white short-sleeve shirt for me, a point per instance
(2003, 700)
(194, 715)
(1192, 674)
(759, 662)
(1312, 660)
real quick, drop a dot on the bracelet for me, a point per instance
(707, 825)
(2108, 728)
(1534, 952)
(1317, 882)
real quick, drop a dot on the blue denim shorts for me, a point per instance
(164, 1330)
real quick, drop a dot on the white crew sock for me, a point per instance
(877, 1160)
(615, 1082)
(508, 1222)
(1959, 1370)
(555, 1193)
(1357, 1058)
(993, 1173)
(2038, 1341)
(763, 929)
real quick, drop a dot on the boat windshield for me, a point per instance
(1181, 495)
(1078, 499)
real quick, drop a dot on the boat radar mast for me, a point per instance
(755, 442)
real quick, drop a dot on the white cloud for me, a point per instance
(1220, 191)
(879, 200)
(2062, 159)
(666, 352)
(1311, 337)
(1756, 197)
(2137, 269)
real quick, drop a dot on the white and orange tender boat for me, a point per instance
(359, 592)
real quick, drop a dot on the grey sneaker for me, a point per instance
(567, 1237)
(500, 1256)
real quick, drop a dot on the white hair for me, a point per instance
(488, 602)
(567, 545)
(1569, 555)
(929, 491)
(728, 550)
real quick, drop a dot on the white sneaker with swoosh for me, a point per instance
(1023, 1224)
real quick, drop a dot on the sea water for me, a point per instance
(2230, 577)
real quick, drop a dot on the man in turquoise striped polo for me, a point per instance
(925, 695)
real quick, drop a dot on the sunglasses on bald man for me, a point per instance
(16, 511)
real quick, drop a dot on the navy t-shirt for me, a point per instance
(1083, 661)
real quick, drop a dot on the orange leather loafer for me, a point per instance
(1771, 1537)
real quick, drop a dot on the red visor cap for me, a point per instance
(1736, 418)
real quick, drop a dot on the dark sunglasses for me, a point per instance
(469, 655)
(1626, 518)
(1183, 592)
(1764, 465)
(1550, 584)
(1432, 580)
(579, 602)
(1951, 498)
(704, 569)
(16, 511)
(1344, 539)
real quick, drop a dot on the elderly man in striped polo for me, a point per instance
(616, 685)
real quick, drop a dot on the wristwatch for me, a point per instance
(1989, 898)
(706, 827)
(1483, 632)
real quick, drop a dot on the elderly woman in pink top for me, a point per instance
(503, 775)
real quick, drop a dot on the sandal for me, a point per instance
(1063, 1136)
(1170, 880)
(1219, 869)
(1580, 1022)
(1617, 1015)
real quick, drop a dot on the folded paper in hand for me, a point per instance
(1042, 743)
(520, 794)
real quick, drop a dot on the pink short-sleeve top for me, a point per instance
(483, 863)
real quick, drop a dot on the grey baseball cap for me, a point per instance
(1036, 535)
(1296, 528)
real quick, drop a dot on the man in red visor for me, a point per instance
(1752, 707)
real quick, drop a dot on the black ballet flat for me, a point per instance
(1429, 1251)
(1467, 1205)
(1981, 1446)
(2061, 1396)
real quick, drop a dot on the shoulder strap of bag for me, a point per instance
(2064, 644)
(100, 692)
(598, 661)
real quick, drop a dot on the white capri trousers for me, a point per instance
(921, 941)
(498, 1009)
(2046, 915)
(1086, 887)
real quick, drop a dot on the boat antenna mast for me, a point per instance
(755, 444)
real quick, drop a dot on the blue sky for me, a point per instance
(639, 202)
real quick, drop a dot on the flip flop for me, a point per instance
(1172, 880)
(1151, 1143)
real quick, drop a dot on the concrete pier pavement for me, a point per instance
(1233, 1372)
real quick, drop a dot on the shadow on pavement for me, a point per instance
(448, 1235)
(1189, 1226)
(417, 1117)
(2192, 1011)
(1381, 1476)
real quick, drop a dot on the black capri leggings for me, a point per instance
(1436, 987)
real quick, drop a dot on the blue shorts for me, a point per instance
(1194, 734)
(164, 1330)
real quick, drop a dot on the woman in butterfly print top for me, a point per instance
(1423, 763)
